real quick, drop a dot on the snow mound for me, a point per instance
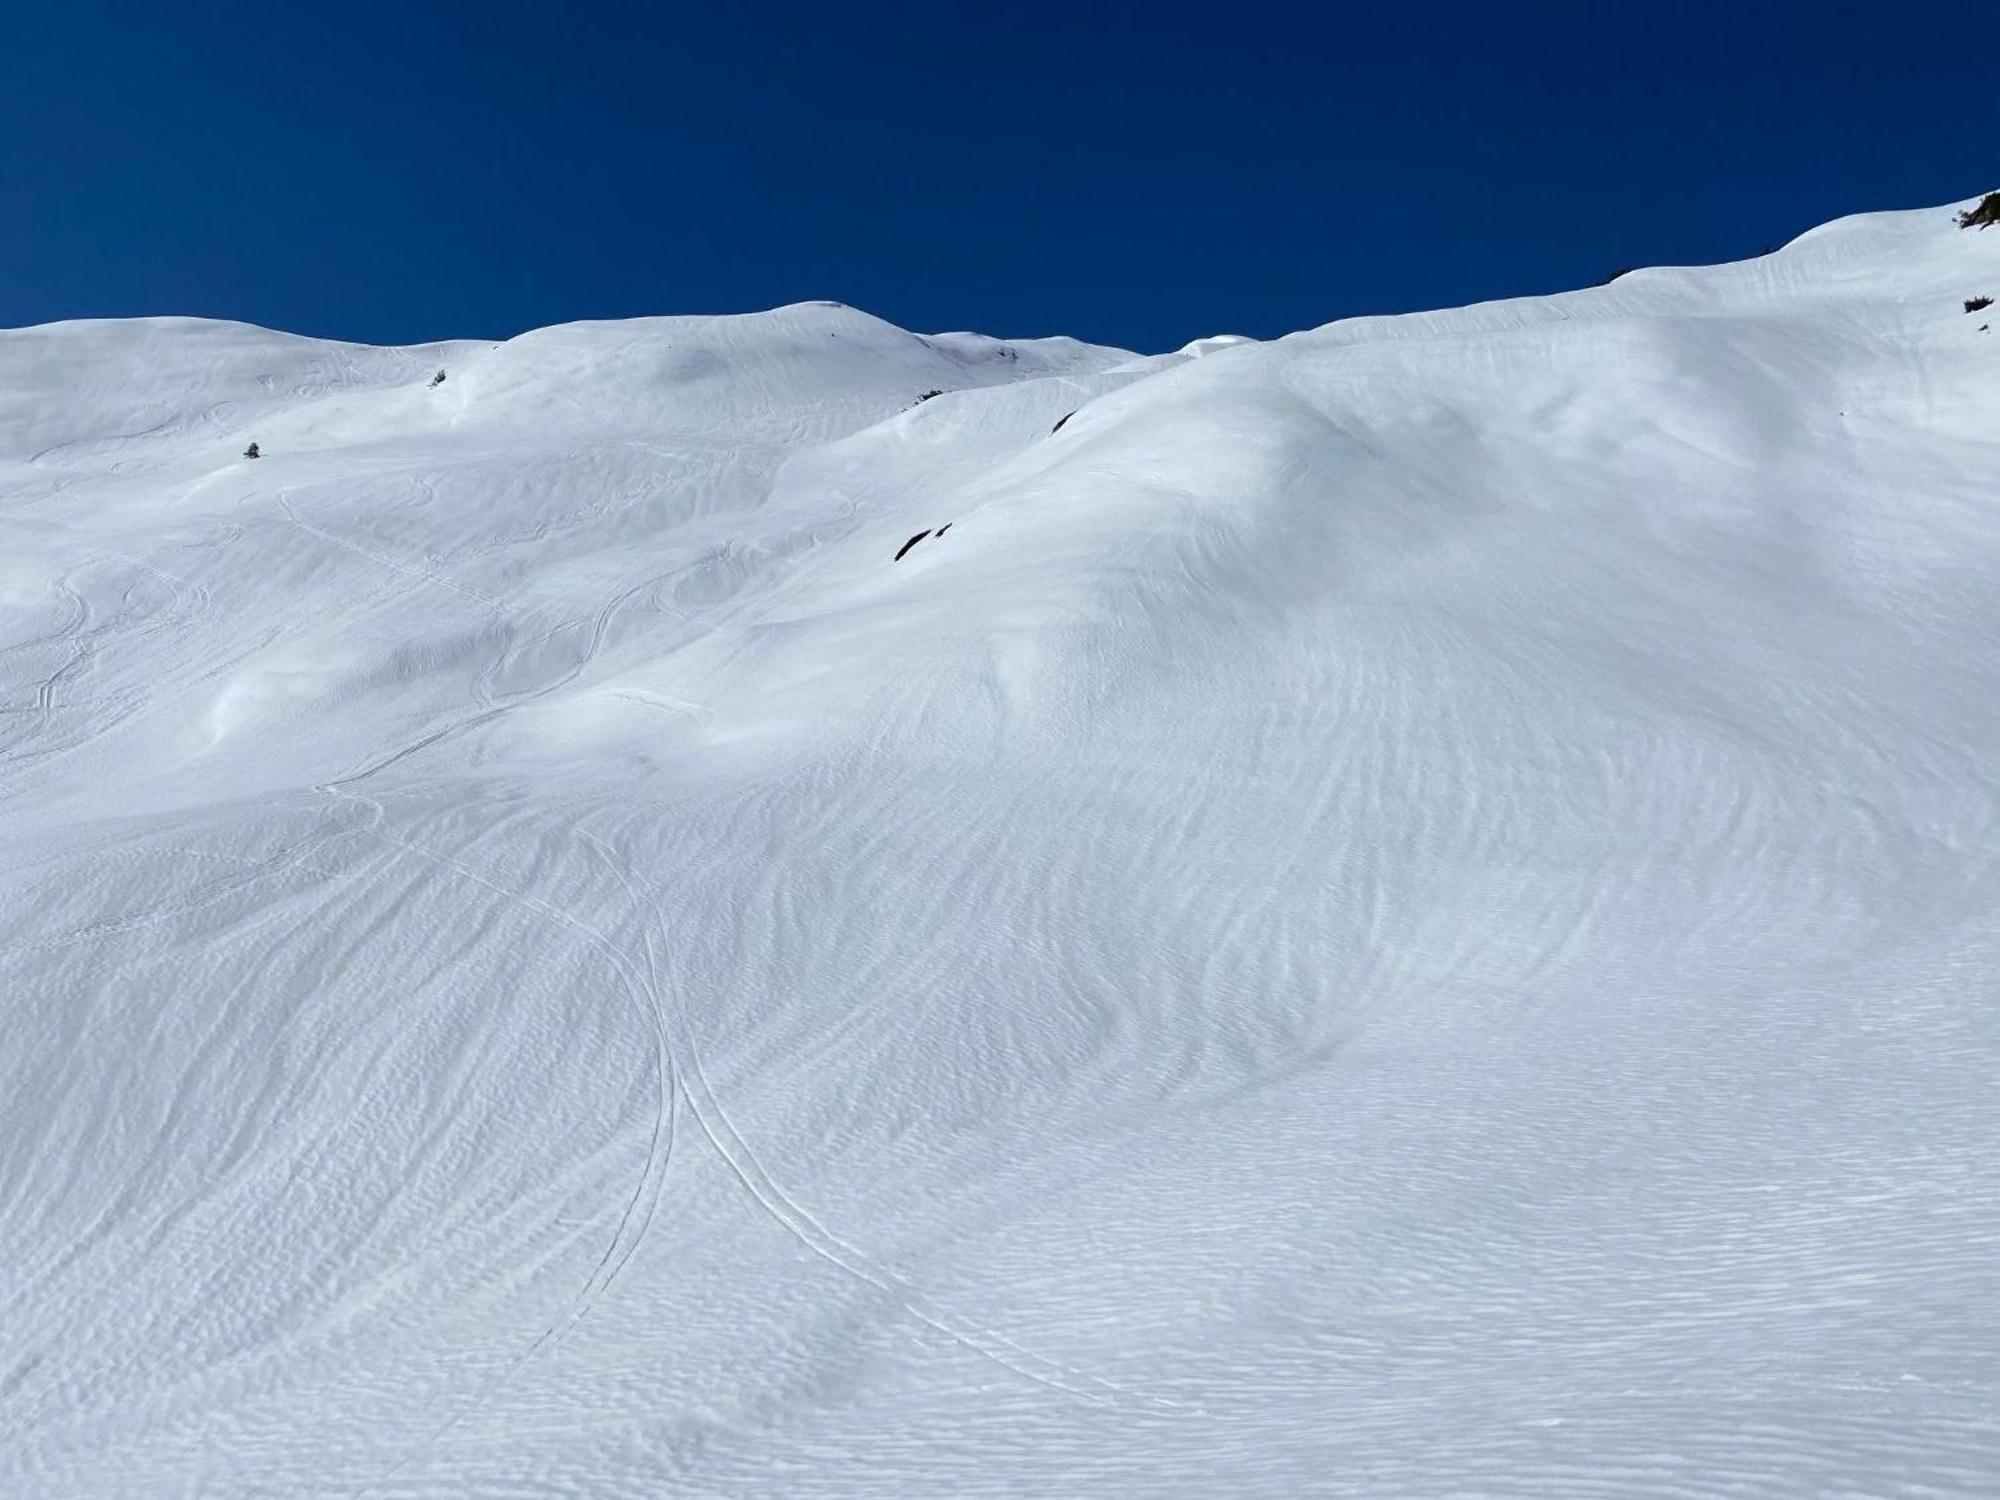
(1196, 348)
(1405, 911)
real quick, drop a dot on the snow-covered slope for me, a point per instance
(1406, 911)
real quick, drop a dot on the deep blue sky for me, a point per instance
(1137, 174)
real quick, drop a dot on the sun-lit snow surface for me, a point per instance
(1408, 911)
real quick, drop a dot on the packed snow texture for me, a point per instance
(1410, 910)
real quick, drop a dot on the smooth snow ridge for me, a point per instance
(1405, 911)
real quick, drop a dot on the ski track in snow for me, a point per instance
(1408, 910)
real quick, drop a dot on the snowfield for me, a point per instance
(1408, 911)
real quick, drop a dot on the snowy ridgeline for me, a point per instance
(1406, 911)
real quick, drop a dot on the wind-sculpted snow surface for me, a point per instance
(1407, 911)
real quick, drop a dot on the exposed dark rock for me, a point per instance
(1987, 212)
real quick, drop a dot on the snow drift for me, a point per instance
(1408, 910)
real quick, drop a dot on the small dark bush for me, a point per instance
(251, 452)
(437, 380)
(1988, 212)
(1975, 304)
